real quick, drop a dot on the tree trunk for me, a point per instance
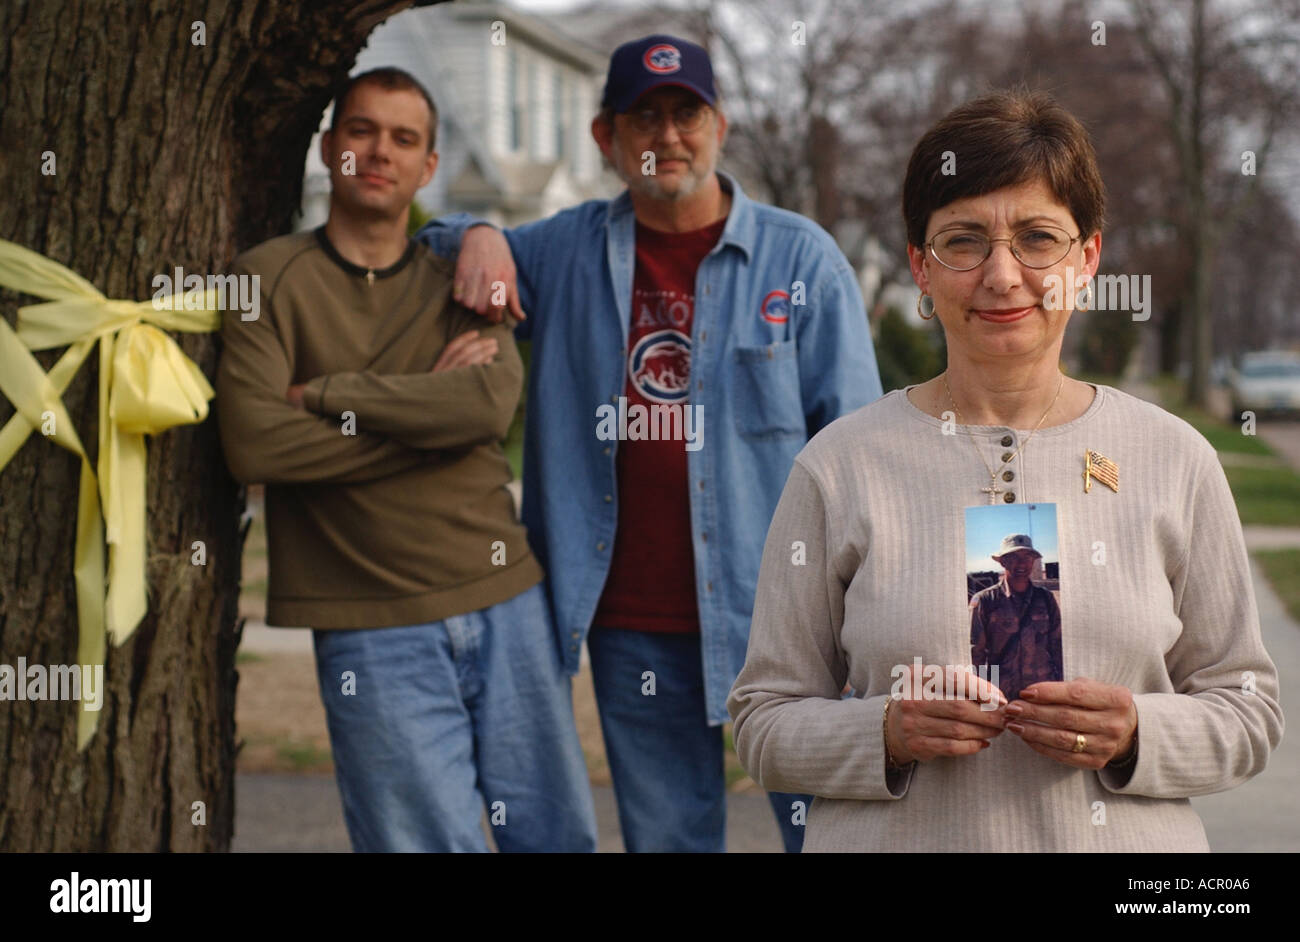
(1202, 339)
(1201, 232)
(167, 153)
(1171, 335)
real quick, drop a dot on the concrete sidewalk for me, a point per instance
(1260, 537)
(1264, 813)
(301, 813)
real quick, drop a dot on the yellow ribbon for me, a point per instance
(146, 385)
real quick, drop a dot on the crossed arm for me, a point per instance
(469, 396)
(276, 433)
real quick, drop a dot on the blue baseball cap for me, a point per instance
(649, 63)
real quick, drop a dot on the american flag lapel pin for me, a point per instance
(1096, 465)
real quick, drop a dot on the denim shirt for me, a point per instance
(780, 347)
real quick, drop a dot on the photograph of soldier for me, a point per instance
(1015, 623)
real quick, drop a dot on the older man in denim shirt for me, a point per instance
(738, 329)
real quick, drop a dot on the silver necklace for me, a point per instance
(993, 490)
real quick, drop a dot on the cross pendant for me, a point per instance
(992, 490)
(370, 277)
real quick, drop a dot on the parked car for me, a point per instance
(1266, 383)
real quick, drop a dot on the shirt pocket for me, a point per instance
(767, 399)
(1041, 622)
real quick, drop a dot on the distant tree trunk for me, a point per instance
(1221, 68)
(1201, 233)
(1171, 335)
(823, 160)
(168, 153)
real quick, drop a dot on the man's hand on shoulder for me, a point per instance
(467, 350)
(485, 275)
(294, 395)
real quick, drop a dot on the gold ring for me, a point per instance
(1080, 743)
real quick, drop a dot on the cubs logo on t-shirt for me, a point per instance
(662, 59)
(660, 366)
(775, 308)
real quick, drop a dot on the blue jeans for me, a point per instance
(428, 723)
(665, 759)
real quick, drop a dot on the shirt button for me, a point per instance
(701, 483)
(574, 636)
(704, 538)
(699, 384)
(1006, 455)
(607, 449)
(614, 398)
(703, 334)
(1008, 475)
(1006, 441)
(1009, 497)
(600, 547)
(609, 498)
(708, 586)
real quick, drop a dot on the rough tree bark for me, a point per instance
(167, 154)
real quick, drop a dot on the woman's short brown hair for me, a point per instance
(1002, 139)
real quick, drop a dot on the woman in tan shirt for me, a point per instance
(1167, 690)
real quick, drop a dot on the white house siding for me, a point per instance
(449, 49)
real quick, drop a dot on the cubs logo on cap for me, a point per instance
(662, 59)
(775, 308)
(645, 64)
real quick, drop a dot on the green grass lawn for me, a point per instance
(1224, 436)
(1221, 435)
(305, 757)
(735, 772)
(1268, 496)
(1264, 495)
(1283, 570)
(514, 446)
(514, 443)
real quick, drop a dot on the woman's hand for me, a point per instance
(960, 723)
(1051, 716)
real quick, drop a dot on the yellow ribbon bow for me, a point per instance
(146, 385)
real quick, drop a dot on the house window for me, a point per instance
(513, 104)
(534, 100)
(574, 104)
(561, 117)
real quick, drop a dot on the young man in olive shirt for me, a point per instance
(372, 409)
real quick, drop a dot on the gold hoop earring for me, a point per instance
(922, 306)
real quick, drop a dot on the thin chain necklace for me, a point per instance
(993, 490)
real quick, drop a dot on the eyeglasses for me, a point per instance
(687, 118)
(1036, 247)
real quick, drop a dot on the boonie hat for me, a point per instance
(1013, 543)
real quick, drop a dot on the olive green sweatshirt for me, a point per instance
(386, 499)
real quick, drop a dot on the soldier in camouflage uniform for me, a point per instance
(1016, 624)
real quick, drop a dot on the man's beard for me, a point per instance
(649, 185)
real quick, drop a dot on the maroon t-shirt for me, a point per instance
(651, 583)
